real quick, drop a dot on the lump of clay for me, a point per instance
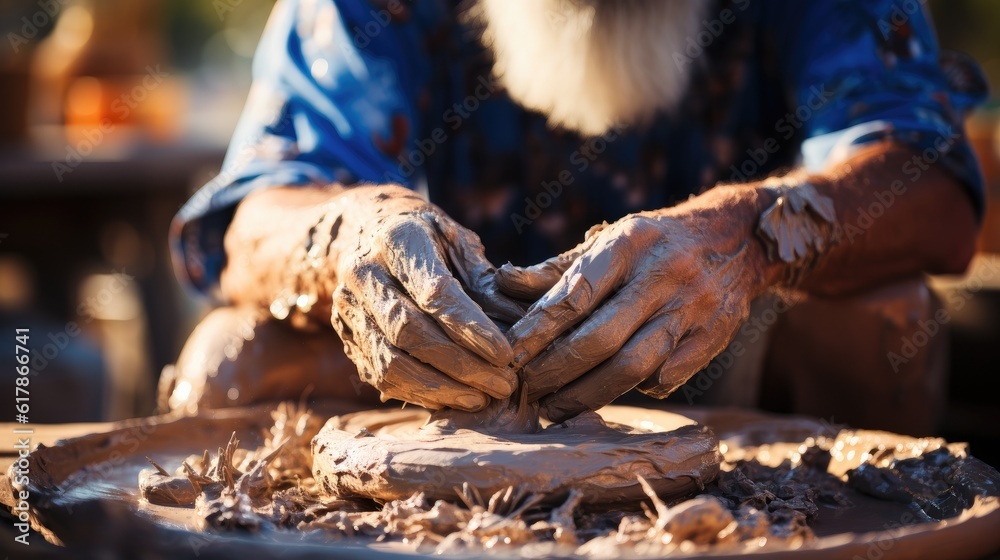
(940, 483)
(160, 488)
(398, 454)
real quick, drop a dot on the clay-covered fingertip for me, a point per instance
(507, 275)
(506, 268)
(519, 356)
(471, 402)
(484, 339)
(498, 350)
(502, 386)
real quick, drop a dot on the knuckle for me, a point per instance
(337, 321)
(403, 331)
(365, 374)
(343, 298)
(396, 230)
(638, 226)
(688, 265)
(439, 293)
(360, 271)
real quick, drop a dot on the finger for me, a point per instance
(467, 255)
(638, 359)
(408, 328)
(581, 289)
(396, 374)
(529, 283)
(693, 353)
(416, 260)
(342, 323)
(598, 338)
(344, 330)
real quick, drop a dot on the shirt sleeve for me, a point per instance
(334, 83)
(869, 70)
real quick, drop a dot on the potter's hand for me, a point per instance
(416, 332)
(650, 299)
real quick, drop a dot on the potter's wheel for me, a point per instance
(387, 455)
(84, 492)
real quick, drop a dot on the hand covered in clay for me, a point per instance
(414, 302)
(647, 301)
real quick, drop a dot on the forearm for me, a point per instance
(895, 217)
(405, 287)
(265, 240)
(269, 240)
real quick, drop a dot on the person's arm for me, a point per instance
(379, 261)
(335, 105)
(652, 298)
(897, 214)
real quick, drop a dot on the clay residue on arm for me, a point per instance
(798, 227)
(407, 289)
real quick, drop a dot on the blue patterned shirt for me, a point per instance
(377, 91)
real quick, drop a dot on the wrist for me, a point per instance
(797, 228)
(728, 216)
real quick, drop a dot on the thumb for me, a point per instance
(529, 283)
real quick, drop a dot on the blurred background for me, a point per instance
(112, 112)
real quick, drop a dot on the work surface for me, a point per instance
(96, 476)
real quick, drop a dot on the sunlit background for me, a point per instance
(112, 112)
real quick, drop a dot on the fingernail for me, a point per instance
(472, 403)
(500, 386)
(488, 343)
(497, 349)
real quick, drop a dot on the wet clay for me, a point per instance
(783, 488)
(415, 301)
(798, 228)
(645, 302)
(407, 289)
(392, 455)
(229, 361)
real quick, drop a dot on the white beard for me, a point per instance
(590, 65)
